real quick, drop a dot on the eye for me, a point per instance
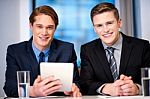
(110, 22)
(50, 27)
(39, 26)
(98, 25)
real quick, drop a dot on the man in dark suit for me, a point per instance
(24, 56)
(115, 72)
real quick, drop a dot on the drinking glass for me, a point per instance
(145, 74)
(23, 80)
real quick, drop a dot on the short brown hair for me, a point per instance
(47, 10)
(104, 7)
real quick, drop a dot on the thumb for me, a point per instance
(38, 79)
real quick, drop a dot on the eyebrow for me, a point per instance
(46, 26)
(112, 21)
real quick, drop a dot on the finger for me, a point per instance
(37, 80)
(53, 89)
(126, 86)
(128, 78)
(126, 94)
(74, 94)
(122, 77)
(70, 93)
(79, 94)
(128, 82)
(126, 89)
(52, 84)
(131, 89)
(117, 91)
(47, 80)
(118, 83)
(73, 87)
(67, 93)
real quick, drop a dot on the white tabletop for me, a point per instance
(90, 97)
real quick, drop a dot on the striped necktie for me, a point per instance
(112, 62)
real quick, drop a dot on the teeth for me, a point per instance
(43, 38)
(107, 35)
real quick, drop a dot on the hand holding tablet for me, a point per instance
(62, 71)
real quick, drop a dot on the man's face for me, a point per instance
(107, 27)
(43, 30)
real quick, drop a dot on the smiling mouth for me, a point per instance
(43, 38)
(107, 35)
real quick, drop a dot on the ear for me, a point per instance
(94, 28)
(30, 25)
(120, 23)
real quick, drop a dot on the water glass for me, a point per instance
(145, 74)
(23, 79)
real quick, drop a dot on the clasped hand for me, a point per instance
(49, 85)
(121, 87)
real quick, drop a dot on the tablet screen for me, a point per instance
(62, 71)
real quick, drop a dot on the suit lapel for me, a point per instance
(33, 63)
(100, 52)
(53, 52)
(125, 54)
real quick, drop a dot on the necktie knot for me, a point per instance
(110, 50)
(41, 57)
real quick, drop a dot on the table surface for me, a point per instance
(89, 97)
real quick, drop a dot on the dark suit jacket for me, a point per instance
(21, 57)
(95, 69)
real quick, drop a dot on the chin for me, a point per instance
(108, 43)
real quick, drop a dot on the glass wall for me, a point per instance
(74, 20)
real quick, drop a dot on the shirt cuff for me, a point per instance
(140, 88)
(99, 90)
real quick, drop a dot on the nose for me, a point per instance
(105, 28)
(45, 31)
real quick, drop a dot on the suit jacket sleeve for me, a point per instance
(89, 83)
(76, 72)
(10, 87)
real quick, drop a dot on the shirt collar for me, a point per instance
(36, 50)
(117, 45)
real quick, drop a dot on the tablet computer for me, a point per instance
(62, 71)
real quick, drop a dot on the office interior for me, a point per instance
(14, 24)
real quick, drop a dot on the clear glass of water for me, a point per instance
(145, 74)
(23, 80)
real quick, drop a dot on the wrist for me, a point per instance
(106, 89)
(137, 87)
(31, 91)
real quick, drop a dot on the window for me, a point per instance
(74, 20)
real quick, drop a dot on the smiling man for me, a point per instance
(111, 64)
(25, 56)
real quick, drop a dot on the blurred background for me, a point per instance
(75, 25)
(74, 22)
